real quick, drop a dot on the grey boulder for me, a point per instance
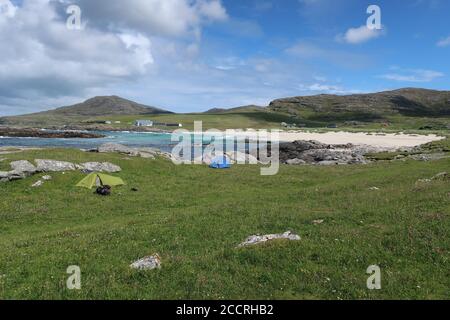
(114, 147)
(37, 184)
(23, 166)
(258, 239)
(4, 174)
(295, 162)
(148, 153)
(55, 166)
(101, 167)
(147, 263)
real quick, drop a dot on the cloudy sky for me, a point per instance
(193, 55)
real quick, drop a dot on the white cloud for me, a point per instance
(42, 62)
(444, 42)
(212, 10)
(326, 88)
(359, 35)
(413, 75)
(7, 8)
(43, 55)
(173, 18)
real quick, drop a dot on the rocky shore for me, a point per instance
(104, 127)
(39, 133)
(22, 169)
(313, 152)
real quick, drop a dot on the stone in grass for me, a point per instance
(147, 263)
(37, 184)
(319, 221)
(4, 175)
(257, 239)
(441, 176)
(44, 165)
(47, 178)
(101, 167)
(23, 166)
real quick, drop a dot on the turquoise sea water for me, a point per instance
(135, 139)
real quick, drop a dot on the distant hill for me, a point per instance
(98, 106)
(243, 109)
(366, 107)
(404, 108)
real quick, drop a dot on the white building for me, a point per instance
(143, 123)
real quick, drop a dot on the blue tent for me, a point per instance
(220, 162)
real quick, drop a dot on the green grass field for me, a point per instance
(194, 217)
(256, 119)
(273, 120)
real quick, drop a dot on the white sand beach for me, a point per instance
(381, 140)
(378, 140)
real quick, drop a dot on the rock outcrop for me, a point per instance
(22, 169)
(149, 153)
(23, 166)
(100, 167)
(38, 133)
(55, 166)
(314, 152)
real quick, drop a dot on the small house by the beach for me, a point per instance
(143, 123)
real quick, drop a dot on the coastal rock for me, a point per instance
(101, 167)
(301, 145)
(39, 133)
(295, 162)
(257, 239)
(327, 163)
(314, 152)
(147, 263)
(23, 166)
(114, 147)
(149, 153)
(54, 166)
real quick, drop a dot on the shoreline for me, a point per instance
(378, 140)
(373, 139)
(8, 132)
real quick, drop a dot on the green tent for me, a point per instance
(99, 179)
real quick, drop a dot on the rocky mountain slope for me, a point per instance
(406, 102)
(98, 106)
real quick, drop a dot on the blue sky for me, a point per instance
(193, 55)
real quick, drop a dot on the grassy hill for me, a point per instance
(367, 107)
(194, 218)
(412, 109)
(243, 109)
(94, 107)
